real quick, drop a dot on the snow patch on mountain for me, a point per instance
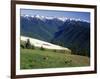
(43, 18)
(40, 43)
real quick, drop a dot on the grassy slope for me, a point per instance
(36, 58)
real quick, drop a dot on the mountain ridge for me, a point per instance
(52, 17)
(71, 33)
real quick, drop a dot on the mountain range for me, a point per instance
(67, 32)
(40, 28)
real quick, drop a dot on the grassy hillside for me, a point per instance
(37, 58)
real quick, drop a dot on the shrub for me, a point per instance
(22, 46)
(45, 58)
(32, 46)
(27, 44)
(42, 48)
(55, 50)
(68, 61)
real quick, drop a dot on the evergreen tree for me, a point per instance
(28, 44)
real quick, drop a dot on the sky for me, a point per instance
(54, 13)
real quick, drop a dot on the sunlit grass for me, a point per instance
(36, 58)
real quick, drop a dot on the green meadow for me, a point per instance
(37, 59)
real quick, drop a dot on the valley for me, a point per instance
(70, 33)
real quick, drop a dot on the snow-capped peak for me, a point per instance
(52, 17)
(25, 15)
(63, 18)
(39, 17)
(49, 17)
(45, 17)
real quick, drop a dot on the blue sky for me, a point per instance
(54, 13)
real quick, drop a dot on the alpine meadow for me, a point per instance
(54, 39)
